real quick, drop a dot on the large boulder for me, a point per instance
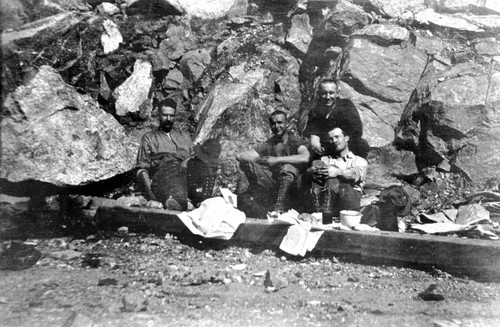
(204, 9)
(51, 133)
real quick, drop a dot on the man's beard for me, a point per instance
(166, 127)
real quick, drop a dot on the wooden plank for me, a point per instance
(476, 259)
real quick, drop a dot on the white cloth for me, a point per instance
(215, 218)
(299, 239)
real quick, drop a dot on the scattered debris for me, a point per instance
(431, 294)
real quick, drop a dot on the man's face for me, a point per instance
(278, 125)
(327, 93)
(337, 141)
(167, 116)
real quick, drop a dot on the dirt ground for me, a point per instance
(147, 280)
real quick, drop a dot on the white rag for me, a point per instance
(299, 239)
(215, 218)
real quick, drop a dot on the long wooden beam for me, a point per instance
(476, 259)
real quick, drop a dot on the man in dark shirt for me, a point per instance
(278, 162)
(331, 111)
(162, 160)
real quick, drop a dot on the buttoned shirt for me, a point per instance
(158, 147)
(350, 161)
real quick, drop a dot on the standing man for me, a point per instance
(337, 178)
(331, 111)
(277, 163)
(162, 160)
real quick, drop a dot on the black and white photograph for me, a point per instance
(250, 163)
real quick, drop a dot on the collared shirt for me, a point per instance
(158, 146)
(350, 161)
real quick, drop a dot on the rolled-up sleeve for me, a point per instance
(360, 167)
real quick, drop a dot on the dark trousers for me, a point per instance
(169, 181)
(344, 197)
(268, 177)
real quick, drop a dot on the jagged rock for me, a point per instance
(193, 63)
(387, 164)
(204, 9)
(399, 68)
(173, 79)
(239, 8)
(59, 22)
(463, 115)
(104, 90)
(111, 38)
(221, 97)
(378, 117)
(300, 33)
(17, 256)
(133, 95)
(228, 45)
(108, 8)
(429, 16)
(342, 21)
(393, 8)
(178, 41)
(56, 135)
(384, 34)
(488, 47)
(468, 5)
(489, 23)
(16, 13)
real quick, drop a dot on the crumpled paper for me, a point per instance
(214, 218)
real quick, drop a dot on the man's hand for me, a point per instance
(333, 171)
(184, 165)
(316, 145)
(318, 174)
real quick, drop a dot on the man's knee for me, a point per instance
(289, 171)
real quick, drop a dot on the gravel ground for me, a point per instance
(146, 280)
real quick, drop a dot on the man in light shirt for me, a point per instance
(162, 160)
(337, 177)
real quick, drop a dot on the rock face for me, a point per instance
(229, 64)
(463, 115)
(56, 135)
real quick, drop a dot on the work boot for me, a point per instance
(327, 200)
(316, 199)
(285, 183)
(327, 207)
